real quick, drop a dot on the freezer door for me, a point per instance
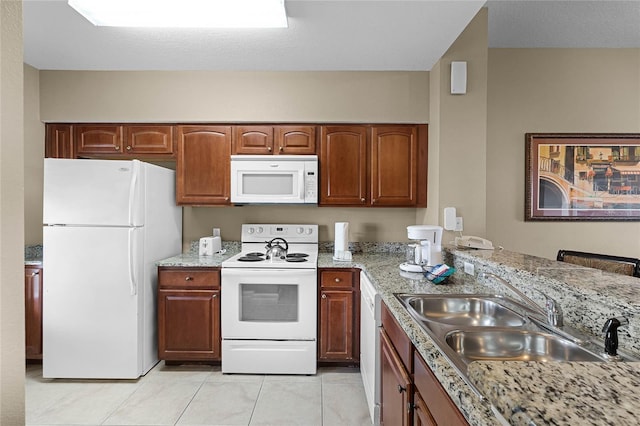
(93, 192)
(91, 302)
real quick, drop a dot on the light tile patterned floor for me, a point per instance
(199, 395)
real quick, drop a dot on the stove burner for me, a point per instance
(295, 259)
(250, 258)
(254, 253)
(297, 255)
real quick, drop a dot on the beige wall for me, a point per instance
(33, 155)
(369, 97)
(11, 216)
(457, 139)
(555, 90)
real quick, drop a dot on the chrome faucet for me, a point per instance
(551, 310)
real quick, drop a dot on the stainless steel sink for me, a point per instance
(461, 310)
(515, 345)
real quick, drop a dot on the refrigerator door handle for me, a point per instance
(132, 190)
(132, 275)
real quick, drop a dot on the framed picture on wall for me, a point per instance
(590, 176)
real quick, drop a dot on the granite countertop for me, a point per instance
(33, 255)
(519, 393)
(516, 393)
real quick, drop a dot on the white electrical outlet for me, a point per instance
(458, 224)
(468, 268)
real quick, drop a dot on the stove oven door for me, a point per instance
(269, 304)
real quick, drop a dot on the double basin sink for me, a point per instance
(471, 328)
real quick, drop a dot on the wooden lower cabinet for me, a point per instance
(410, 392)
(33, 311)
(395, 386)
(339, 315)
(434, 402)
(189, 314)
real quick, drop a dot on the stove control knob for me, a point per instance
(260, 229)
(251, 231)
(309, 231)
(300, 230)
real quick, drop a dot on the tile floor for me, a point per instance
(199, 395)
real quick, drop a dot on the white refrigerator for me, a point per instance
(106, 223)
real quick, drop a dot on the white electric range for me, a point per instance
(269, 303)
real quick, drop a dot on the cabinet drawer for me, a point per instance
(331, 278)
(188, 277)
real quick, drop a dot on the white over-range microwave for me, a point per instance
(274, 179)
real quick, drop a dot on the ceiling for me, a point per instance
(333, 35)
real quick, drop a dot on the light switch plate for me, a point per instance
(458, 224)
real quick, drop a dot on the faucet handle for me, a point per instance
(610, 330)
(554, 312)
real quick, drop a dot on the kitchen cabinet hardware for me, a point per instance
(401, 389)
(189, 279)
(363, 200)
(269, 148)
(117, 148)
(33, 274)
(337, 280)
(324, 296)
(128, 147)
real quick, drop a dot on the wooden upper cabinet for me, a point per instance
(394, 162)
(343, 165)
(59, 141)
(98, 139)
(203, 165)
(149, 139)
(267, 140)
(253, 140)
(295, 140)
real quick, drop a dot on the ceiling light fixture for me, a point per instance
(183, 13)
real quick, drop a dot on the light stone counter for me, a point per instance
(514, 392)
(527, 393)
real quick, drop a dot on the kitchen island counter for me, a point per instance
(523, 393)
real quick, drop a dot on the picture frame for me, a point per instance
(582, 176)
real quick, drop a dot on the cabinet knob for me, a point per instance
(362, 200)
(337, 280)
(33, 274)
(401, 389)
(214, 296)
(269, 148)
(324, 296)
(281, 149)
(128, 148)
(117, 148)
(188, 279)
(226, 198)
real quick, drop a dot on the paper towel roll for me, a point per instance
(341, 243)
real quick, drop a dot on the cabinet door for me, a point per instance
(253, 140)
(343, 165)
(436, 400)
(58, 141)
(336, 325)
(394, 159)
(149, 139)
(296, 140)
(33, 312)
(97, 140)
(203, 165)
(421, 414)
(189, 325)
(395, 386)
